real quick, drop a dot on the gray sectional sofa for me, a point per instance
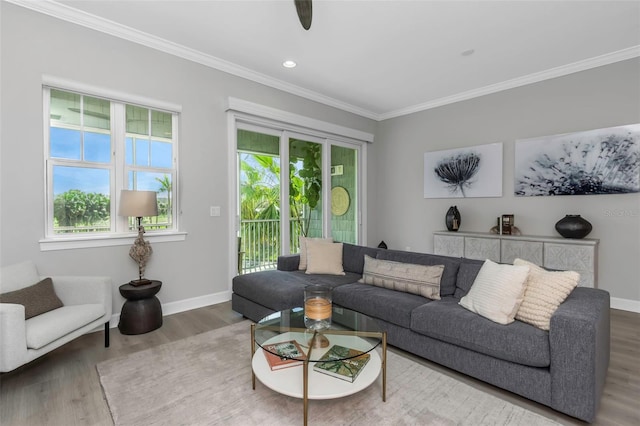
(563, 368)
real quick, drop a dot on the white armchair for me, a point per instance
(87, 305)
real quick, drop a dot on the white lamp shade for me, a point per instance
(138, 203)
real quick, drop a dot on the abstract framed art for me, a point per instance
(602, 161)
(464, 172)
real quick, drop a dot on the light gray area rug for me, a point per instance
(206, 380)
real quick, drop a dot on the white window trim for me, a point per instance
(51, 243)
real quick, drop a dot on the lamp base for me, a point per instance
(142, 281)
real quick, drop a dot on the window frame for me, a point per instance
(120, 233)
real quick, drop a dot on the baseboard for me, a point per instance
(182, 305)
(625, 304)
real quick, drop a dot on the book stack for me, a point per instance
(343, 363)
(284, 354)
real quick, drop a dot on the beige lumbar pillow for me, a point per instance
(497, 292)
(303, 249)
(406, 277)
(323, 258)
(546, 290)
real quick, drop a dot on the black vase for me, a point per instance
(452, 219)
(573, 226)
(382, 245)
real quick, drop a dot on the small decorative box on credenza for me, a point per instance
(550, 252)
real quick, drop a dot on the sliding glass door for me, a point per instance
(259, 199)
(344, 193)
(293, 184)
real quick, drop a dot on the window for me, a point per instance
(96, 147)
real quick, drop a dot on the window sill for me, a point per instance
(68, 243)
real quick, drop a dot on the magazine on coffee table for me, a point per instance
(290, 354)
(343, 363)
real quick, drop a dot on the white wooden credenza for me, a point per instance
(550, 252)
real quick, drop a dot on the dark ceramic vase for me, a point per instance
(573, 226)
(452, 219)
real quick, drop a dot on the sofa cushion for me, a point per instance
(497, 291)
(407, 277)
(517, 342)
(36, 299)
(467, 273)
(378, 302)
(303, 249)
(353, 257)
(323, 258)
(44, 329)
(20, 275)
(451, 264)
(545, 291)
(278, 290)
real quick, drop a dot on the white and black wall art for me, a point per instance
(464, 172)
(602, 161)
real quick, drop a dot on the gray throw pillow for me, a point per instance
(36, 299)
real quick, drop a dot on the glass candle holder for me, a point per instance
(317, 307)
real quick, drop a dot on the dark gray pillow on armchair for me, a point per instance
(36, 299)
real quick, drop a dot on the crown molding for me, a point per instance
(598, 61)
(75, 16)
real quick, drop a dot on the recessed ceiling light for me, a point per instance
(468, 52)
(289, 64)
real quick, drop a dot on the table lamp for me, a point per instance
(139, 204)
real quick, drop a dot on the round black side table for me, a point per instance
(142, 312)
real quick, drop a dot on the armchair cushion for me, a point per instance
(36, 299)
(51, 326)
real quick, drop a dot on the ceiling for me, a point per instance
(378, 59)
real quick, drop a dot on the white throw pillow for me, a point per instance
(545, 291)
(406, 277)
(497, 291)
(323, 258)
(303, 249)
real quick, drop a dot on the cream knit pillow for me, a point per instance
(546, 290)
(497, 291)
(324, 258)
(303, 249)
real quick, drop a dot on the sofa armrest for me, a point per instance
(78, 290)
(288, 262)
(579, 338)
(13, 335)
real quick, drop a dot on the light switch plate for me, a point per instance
(214, 211)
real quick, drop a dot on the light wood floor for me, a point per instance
(62, 387)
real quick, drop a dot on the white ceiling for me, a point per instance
(379, 59)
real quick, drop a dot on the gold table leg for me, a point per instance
(384, 366)
(305, 382)
(253, 351)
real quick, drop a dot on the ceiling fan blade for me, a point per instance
(304, 9)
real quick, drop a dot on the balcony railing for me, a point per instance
(260, 244)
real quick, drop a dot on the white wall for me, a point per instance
(598, 98)
(34, 44)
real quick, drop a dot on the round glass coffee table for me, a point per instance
(349, 329)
